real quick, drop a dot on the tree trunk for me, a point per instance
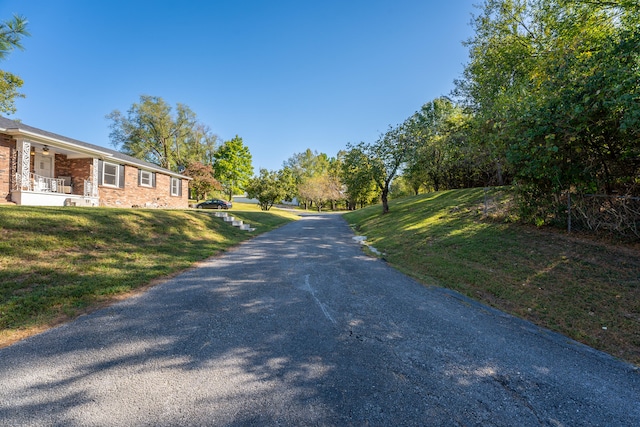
(499, 173)
(385, 200)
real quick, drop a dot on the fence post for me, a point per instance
(569, 211)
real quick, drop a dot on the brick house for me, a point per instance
(40, 168)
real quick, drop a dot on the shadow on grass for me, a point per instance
(586, 290)
(58, 262)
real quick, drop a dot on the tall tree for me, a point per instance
(233, 167)
(200, 145)
(11, 33)
(384, 158)
(151, 132)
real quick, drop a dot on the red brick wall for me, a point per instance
(62, 166)
(79, 170)
(82, 169)
(7, 146)
(135, 195)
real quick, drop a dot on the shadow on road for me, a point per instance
(299, 327)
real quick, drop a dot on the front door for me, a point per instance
(43, 165)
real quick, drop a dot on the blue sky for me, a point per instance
(283, 75)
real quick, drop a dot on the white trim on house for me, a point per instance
(110, 179)
(175, 186)
(146, 178)
(87, 167)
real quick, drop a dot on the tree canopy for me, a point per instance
(383, 159)
(269, 188)
(151, 132)
(356, 177)
(203, 181)
(306, 166)
(233, 166)
(11, 33)
(554, 89)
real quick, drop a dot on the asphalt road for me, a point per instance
(298, 327)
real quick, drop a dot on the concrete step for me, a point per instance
(234, 222)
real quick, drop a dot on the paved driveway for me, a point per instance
(297, 327)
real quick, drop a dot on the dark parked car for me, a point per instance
(214, 204)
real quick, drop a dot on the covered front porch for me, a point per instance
(49, 175)
(44, 191)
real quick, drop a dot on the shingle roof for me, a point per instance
(9, 124)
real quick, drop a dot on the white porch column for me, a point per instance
(94, 179)
(24, 164)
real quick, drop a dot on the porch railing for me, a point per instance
(88, 188)
(39, 184)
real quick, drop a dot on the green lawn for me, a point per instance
(56, 263)
(579, 286)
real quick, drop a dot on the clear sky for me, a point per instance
(285, 75)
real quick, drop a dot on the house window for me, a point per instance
(110, 174)
(176, 187)
(145, 178)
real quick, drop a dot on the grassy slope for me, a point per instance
(584, 289)
(56, 263)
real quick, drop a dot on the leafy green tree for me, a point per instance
(356, 176)
(9, 86)
(582, 122)
(400, 187)
(384, 158)
(446, 156)
(200, 145)
(269, 188)
(233, 167)
(553, 86)
(289, 183)
(11, 33)
(336, 186)
(428, 167)
(149, 131)
(305, 166)
(203, 181)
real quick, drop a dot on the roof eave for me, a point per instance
(57, 142)
(16, 132)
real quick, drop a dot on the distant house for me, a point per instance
(40, 168)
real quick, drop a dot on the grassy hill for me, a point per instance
(56, 263)
(586, 289)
